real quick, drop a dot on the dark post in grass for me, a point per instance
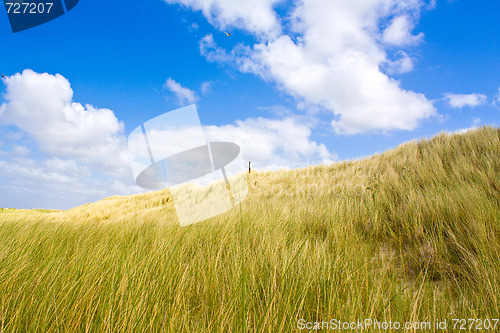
(249, 168)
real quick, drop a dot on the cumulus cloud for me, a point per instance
(398, 33)
(184, 95)
(42, 106)
(268, 143)
(213, 53)
(461, 100)
(273, 144)
(83, 157)
(401, 64)
(256, 16)
(206, 87)
(334, 55)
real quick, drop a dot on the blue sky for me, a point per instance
(297, 83)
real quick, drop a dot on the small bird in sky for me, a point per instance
(227, 34)
(3, 76)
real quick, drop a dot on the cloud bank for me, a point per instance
(273, 144)
(76, 153)
(329, 53)
(56, 153)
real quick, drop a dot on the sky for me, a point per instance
(296, 83)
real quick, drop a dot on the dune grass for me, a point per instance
(409, 235)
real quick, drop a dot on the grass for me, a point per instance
(412, 234)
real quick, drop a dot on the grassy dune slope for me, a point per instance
(412, 234)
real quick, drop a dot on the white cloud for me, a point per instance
(351, 86)
(268, 143)
(206, 87)
(84, 154)
(53, 184)
(398, 33)
(21, 151)
(273, 144)
(184, 95)
(332, 58)
(461, 100)
(209, 49)
(256, 16)
(402, 64)
(41, 105)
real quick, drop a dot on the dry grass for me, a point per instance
(412, 234)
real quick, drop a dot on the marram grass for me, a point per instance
(412, 234)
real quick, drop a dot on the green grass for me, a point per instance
(412, 234)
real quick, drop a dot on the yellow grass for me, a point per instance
(410, 235)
